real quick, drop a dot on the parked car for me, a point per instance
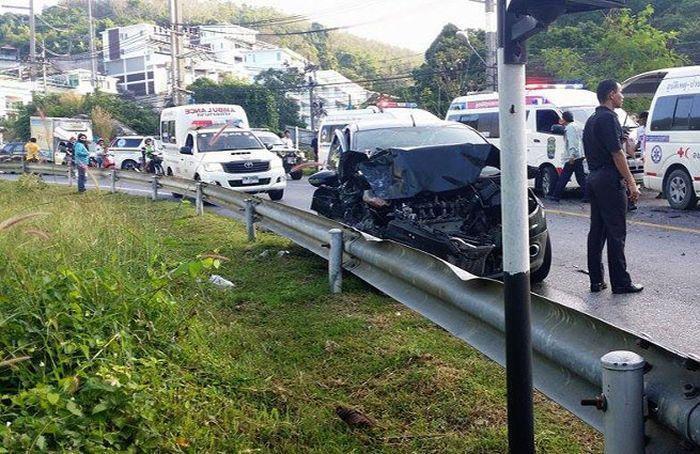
(12, 151)
(434, 186)
(291, 157)
(127, 151)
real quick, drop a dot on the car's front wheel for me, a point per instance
(541, 273)
(129, 165)
(546, 180)
(276, 195)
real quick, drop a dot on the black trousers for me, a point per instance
(566, 173)
(608, 198)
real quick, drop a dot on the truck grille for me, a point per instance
(239, 183)
(246, 166)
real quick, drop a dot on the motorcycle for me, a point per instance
(290, 159)
(155, 164)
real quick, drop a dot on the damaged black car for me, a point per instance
(442, 197)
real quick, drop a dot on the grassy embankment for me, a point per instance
(111, 337)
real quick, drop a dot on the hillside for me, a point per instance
(65, 29)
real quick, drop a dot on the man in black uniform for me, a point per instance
(603, 141)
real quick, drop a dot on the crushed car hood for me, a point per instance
(402, 173)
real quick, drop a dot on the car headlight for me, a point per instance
(213, 167)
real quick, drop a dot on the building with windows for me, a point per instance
(13, 94)
(80, 81)
(261, 59)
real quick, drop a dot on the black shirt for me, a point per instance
(602, 137)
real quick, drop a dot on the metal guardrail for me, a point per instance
(568, 345)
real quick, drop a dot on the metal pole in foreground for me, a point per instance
(250, 219)
(335, 260)
(154, 186)
(623, 388)
(199, 200)
(516, 261)
(113, 181)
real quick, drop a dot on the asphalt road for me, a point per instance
(662, 254)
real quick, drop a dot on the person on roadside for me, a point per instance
(287, 139)
(604, 147)
(146, 153)
(572, 158)
(81, 157)
(31, 151)
(70, 146)
(642, 130)
(314, 147)
(99, 152)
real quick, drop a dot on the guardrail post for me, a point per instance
(113, 181)
(24, 166)
(250, 219)
(154, 186)
(335, 260)
(623, 391)
(199, 200)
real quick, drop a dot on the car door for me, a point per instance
(188, 162)
(543, 146)
(338, 146)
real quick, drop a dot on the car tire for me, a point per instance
(679, 190)
(276, 195)
(129, 164)
(546, 180)
(541, 273)
(296, 175)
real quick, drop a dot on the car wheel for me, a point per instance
(541, 273)
(129, 165)
(546, 180)
(679, 190)
(297, 174)
(169, 172)
(276, 195)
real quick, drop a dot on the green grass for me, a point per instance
(127, 354)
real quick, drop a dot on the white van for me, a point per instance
(545, 105)
(213, 143)
(671, 146)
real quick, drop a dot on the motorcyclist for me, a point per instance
(146, 153)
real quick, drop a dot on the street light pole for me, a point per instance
(93, 57)
(32, 39)
(516, 261)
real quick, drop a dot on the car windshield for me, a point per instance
(227, 140)
(328, 131)
(407, 137)
(581, 114)
(269, 138)
(126, 142)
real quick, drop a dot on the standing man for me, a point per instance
(287, 139)
(81, 157)
(31, 150)
(572, 158)
(603, 142)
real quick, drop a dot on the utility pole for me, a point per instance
(491, 44)
(312, 100)
(43, 65)
(93, 56)
(176, 52)
(32, 40)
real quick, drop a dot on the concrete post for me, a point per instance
(199, 200)
(113, 181)
(250, 219)
(24, 165)
(335, 260)
(623, 388)
(154, 186)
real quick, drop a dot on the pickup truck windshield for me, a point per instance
(269, 138)
(407, 137)
(227, 140)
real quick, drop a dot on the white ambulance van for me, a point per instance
(213, 143)
(545, 105)
(672, 144)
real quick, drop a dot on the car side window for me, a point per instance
(662, 115)
(189, 142)
(546, 118)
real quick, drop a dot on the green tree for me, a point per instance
(280, 83)
(258, 101)
(451, 69)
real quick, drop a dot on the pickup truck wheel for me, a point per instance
(541, 273)
(276, 195)
(679, 190)
(546, 180)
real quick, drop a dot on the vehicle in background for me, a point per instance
(291, 157)
(432, 185)
(336, 121)
(545, 144)
(127, 151)
(12, 151)
(51, 131)
(671, 146)
(212, 143)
